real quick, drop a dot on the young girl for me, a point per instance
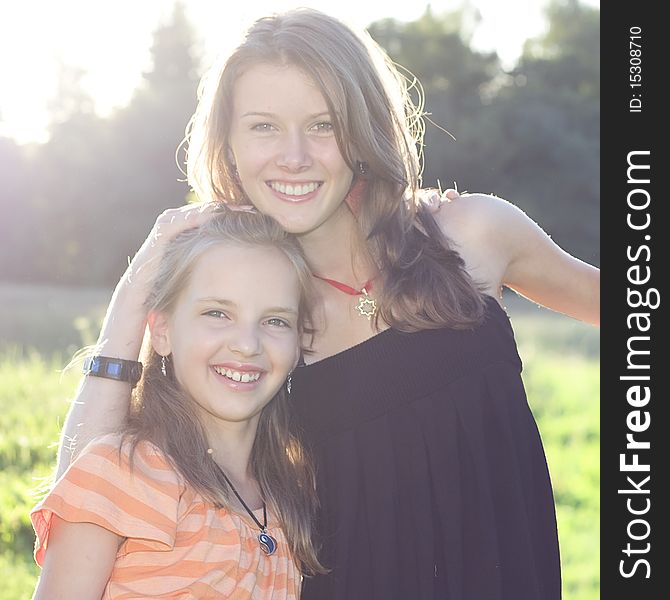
(204, 493)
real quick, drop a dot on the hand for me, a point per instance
(433, 200)
(169, 224)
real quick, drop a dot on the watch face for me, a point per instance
(114, 369)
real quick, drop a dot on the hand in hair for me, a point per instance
(168, 225)
(433, 199)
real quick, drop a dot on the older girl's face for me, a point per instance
(283, 145)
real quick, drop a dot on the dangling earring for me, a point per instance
(362, 167)
(164, 366)
(288, 384)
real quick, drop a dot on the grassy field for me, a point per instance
(40, 327)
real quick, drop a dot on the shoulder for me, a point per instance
(117, 448)
(135, 468)
(136, 498)
(482, 229)
(471, 214)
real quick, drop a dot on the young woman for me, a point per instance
(431, 475)
(204, 492)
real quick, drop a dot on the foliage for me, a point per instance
(68, 220)
(563, 393)
(530, 135)
(435, 52)
(549, 115)
(33, 400)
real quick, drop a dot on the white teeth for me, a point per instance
(237, 375)
(294, 190)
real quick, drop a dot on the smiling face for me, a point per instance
(233, 333)
(284, 148)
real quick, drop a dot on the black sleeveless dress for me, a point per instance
(430, 469)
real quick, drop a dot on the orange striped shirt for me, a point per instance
(178, 545)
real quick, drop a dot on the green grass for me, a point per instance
(561, 373)
(33, 401)
(564, 395)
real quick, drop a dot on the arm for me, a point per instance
(502, 246)
(101, 404)
(79, 561)
(543, 272)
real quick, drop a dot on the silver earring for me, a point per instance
(362, 167)
(164, 366)
(288, 384)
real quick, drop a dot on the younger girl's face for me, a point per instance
(233, 333)
(284, 148)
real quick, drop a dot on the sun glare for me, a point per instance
(109, 42)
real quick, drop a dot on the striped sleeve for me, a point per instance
(99, 487)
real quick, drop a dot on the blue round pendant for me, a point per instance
(268, 543)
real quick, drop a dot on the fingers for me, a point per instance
(451, 194)
(432, 199)
(173, 221)
(169, 224)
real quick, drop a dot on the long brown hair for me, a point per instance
(425, 284)
(162, 413)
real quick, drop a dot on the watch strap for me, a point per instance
(118, 369)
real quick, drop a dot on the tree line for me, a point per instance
(74, 207)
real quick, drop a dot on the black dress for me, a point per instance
(430, 469)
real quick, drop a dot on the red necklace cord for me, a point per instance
(343, 287)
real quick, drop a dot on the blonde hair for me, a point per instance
(162, 413)
(425, 284)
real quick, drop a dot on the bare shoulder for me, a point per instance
(502, 246)
(477, 226)
(472, 214)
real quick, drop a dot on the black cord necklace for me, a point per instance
(267, 542)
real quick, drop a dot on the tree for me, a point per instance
(530, 135)
(455, 78)
(17, 211)
(549, 118)
(94, 173)
(145, 137)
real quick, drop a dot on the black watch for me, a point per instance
(113, 368)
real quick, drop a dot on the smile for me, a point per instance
(238, 376)
(294, 189)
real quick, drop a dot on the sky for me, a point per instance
(110, 41)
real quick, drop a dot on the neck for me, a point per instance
(231, 445)
(338, 250)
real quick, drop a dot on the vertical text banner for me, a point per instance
(635, 371)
